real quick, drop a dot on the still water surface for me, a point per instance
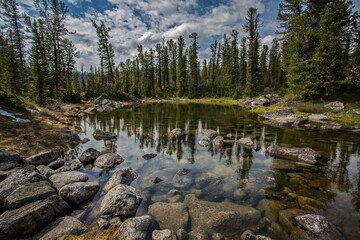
(248, 176)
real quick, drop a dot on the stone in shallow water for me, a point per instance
(283, 118)
(270, 208)
(124, 176)
(306, 155)
(108, 160)
(149, 156)
(248, 142)
(98, 134)
(210, 133)
(249, 235)
(157, 180)
(61, 179)
(204, 142)
(182, 179)
(162, 234)
(218, 141)
(89, 155)
(78, 192)
(137, 228)
(177, 132)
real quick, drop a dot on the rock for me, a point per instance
(331, 126)
(306, 155)
(286, 218)
(258, 103)
(355, 111)
(98, 134)
(108, 160)
(204, 142)
(28, 193)
(103, 222)
(157, 180)
(45, 170)
(71, 138)
(177, 132)
(249, 235)
(121, 201)
(63, 226)
(78, 192)
(248, 142)
(317, 227)
(229, 136)
(3, 175)
(182, 179)
(173, 216)
(181, 234)
(281, 164)
(218, 141)
(183, 172)
(124, 176)
(17, 178)
(199, 234)
(69, 166)
(221, 217)
(205, 179)
(29, 219)
(85, 140)
(90, 110)
(336, 106)
(149, 156)
(318, 118)
(56, 164)
(9, 160)
(283, 118)
(229, 142)
(162, 234)
(309, 203)
(270, 208)
(138, 228)
(43, 158)
(210, 133)
(59, 180)
(89, 155)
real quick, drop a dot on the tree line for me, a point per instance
(317, 48)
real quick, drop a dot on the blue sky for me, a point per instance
(146, 22)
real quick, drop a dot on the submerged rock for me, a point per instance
(210, 133)
(78, 192)
(121, 201)
(71, 138)
(61, 179)
(63, 226)
(218, 141)
(124, 176)
(108, 160)
(43, 158)
(182, 179)
(336, 106)
(137, 228)
(204, 142)
(249, 235)
(89, 155)
(270, 208)
(177, 132)
(306, 155)
(149, 156)
(98, 134)
(248, 142)
(9, 160)
(29, 219)
(283, 118)
(157, 180)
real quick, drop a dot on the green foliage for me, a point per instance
(311, 107)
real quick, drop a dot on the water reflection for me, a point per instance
(247, 176)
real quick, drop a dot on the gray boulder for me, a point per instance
(305, 155)
(3, 175)
(28, 193)
(177, 132)
(90, 110)
(98, 134)
(59, 180)
(124, 176)
(56, 164)
(9, 160)
(69, 166)
(181, 180)
(63, 226)
(29, 219)
(331, 126)
(149, 156)
(89, 155)
(355, 111)
(218, 141)
(78, 192)
(108, 160)
(249, 235)
(210, 133)
(162, 235)
(204, 142)
(121, 201)
(43, 158)
(318, 118)
(138, 228)
(85, 140)
(248, 142)
(71, 138)
(45, 170)
(283, 118)
(336, 106)
(173, 216)
(256, 103)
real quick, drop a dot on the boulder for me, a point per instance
(85, 140)
(43, 158)
(89, 155)
(90, 110)
(309, 203)
(103, 222)
(355, 111)
(63, 226)
(59, 180)
(98, 134)
(256, 103)
(162, 235)
(249, 235)
(9, 160)
(221, 217)
(270, 208)
(204, 142)
(108, 160)
(248, 142)
(318, 118)
(157, 180)
(331, 126)
(283, 118)
(28, 193)
(218, 141)
(336, 106)
(45, 170)
(78, 192)
(56, 164)
(182, 179)
(69, 166)
(17, 178)
(181, 234)
(205, 179)
(305, 155)
(29, 219)
(3, 175)
(173, 216)
(177, 132)
(71, 138)
(210, 133)
(121, 201)
(149, 156)
(137, 228)
(124, 176)
(286, 218)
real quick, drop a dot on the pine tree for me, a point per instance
(235, 76)
(193, 61)
(264, 77)
(173, 61)
(181, 67)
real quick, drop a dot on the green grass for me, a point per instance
(311, 107)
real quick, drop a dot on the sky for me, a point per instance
(147, 22)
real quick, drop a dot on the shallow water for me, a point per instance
(248, 176)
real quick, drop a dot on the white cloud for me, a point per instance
(267, 40)
(76, 2)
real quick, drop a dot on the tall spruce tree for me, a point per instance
(193, 62)
(181, 67)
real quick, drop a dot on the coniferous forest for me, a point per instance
(317, 48)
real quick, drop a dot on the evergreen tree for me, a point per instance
(181, 67)
(264, 78)
(193, 62)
